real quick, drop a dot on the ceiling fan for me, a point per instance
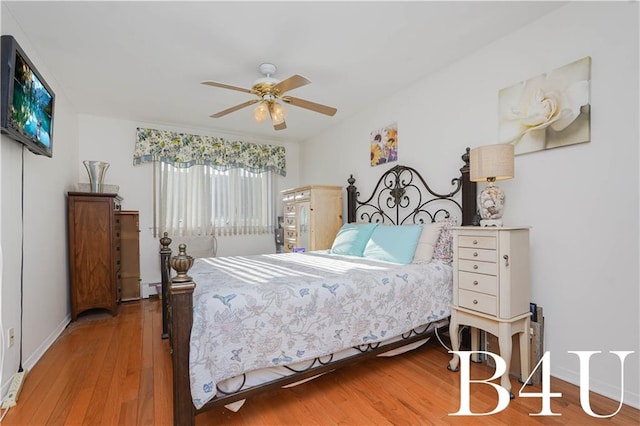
(269, 91)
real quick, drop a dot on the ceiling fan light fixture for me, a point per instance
(270, 96)
(260, 112)
(278, 113)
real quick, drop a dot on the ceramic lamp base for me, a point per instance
(491, 205)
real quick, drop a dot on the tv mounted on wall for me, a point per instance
(27, 102)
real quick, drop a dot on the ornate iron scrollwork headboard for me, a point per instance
(403, 197)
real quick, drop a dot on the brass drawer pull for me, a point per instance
(475, 241)
(475, 283)
(475, 254)
(475, 266)
(475, 302)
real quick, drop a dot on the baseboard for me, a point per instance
(39, 352)
(631, 399)
(148, 290)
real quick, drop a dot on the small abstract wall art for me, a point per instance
(547, 111)
(384, 145)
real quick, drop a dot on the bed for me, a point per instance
(242, 325)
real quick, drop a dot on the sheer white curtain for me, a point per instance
(200, 200)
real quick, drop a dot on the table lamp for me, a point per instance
(490, 163)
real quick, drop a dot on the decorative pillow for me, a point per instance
(426, 243)
(443, 250)
(393, 243)
(352, 238)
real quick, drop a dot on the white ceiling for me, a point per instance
(144, 61)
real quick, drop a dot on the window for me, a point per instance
(200, 200)
(206, 185)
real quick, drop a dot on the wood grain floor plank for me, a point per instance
(118, 388)
(161, 395)
(98, 336)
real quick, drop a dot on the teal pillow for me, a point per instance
(352, 238)
(393, 243)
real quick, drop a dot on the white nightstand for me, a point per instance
(491, 290)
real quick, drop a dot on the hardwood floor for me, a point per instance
(117, 371)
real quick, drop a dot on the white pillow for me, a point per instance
(427, 242)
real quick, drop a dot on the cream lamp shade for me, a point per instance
(490, 163)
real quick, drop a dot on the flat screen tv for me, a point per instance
(27, 101)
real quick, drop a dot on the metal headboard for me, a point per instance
(403, 197)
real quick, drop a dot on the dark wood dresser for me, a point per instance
(94, 251)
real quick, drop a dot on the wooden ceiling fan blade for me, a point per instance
(291, 83)
(227, 86)
(280, 126)
(322, 109)
(234, 108)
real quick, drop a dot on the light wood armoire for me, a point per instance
(130, 254)
(94, 251)
(312, 217)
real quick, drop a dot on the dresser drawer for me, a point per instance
(289, 209)
(290, 221)
(487, 284)
(290, 234)
(490, 268)
(302, 195)
(483, 255)
(478, 302)
(477, 242)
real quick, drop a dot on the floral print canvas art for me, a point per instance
(384, 145)
(547, 111)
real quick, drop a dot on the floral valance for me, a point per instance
(186, 150)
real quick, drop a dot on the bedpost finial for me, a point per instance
(467, 165)
(351, 180)
(165, 241)
(181, 264)
(465, 156)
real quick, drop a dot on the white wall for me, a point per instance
(113, 141)
(582, 200)
(46, 180)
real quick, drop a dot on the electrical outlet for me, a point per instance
(12, 337)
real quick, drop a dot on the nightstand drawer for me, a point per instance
(477, 242)
(483, 255)
(487, 284)
(490, 268)
(478, 302)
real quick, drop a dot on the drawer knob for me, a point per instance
(475, 302)
(506, 259)
(475, 283)
(475, 266)
(475, 241)
(475, 254)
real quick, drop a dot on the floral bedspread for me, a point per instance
(252, 312)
